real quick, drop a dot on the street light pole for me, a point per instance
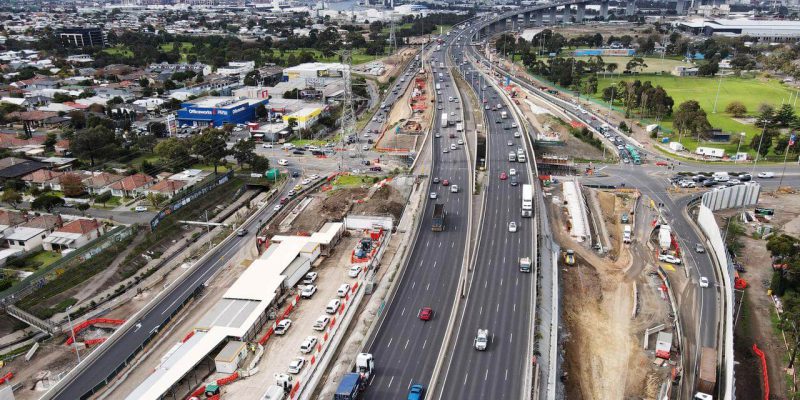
(717, 97)
(72, 331)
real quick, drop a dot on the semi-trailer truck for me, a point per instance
(707, 377)
(527, 200)
(353, 383)
(438, 217)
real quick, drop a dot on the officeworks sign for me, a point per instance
(200, 111)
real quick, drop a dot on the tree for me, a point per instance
(259, 163)
(261, 111)
(590, 85)
(12, 197)
(96, 143)
(173, 150)
(71, 185)
(691, 118)
(635, 63)
(611, 67)
(158, 129)
(77, 119)
(103, 198)
(50, 141)
(784, 116)
(709, 68)
(157, 200)
(47, 202)
(211, 146)
(736, 109)
(243, 151)
(766, 114)
(82, 207)
(761, 145)
(253, 78)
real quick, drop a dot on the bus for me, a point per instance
(634, 154)
(527, 200)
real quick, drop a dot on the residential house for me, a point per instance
(73, 235)
(100, 182)
(48, 222)
(14, 168)
(25, 239)
(43, 179)
(167, 187)
(62, 147)
(132, 185)
(10, 219)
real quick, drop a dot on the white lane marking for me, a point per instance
(427, 243)
(390, 382)
(501, 281)
(413, 284)
(440, 244)
(390, 342)
(486, 375)
(486, 284)
(425, 343)
(403, 312)
(428, 286)
(511, 338)
(480, 312)
(498, 307)
(465, 379)
(406, 346)
(452, 244)
(506, 373)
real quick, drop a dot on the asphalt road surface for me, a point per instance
(500, 296)
(406, 348)
(115, 353)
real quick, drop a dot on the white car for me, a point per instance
(513, 124)
(321, 323)
(460, 142)
(308, 345)
(454, 189)
(277, 207)
(453, 146)
(434, 195)
(437, 135)
(141, 209)
(310, 278)
(283, 326)
(267, 146)
(305, 181)
(313, 176)
(766, 175)
(333, 306)
(343, 290)
(283, 162)
(354, 271)
(517, 134)
(445, 150)
(510, 143)
(365, 147)
(703, 282)
(669, 258)
(296, 365)
(308, 291)
(512, 172)
(512, 226)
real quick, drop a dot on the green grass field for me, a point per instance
(185, 49)
(655, 65)
(751, 92)
(119, 50)
(358, 55)
(353, 180)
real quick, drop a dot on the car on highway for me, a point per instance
(365, 147)
(416, 392)
(284, 200)
(291, 193)
(514, 181)
(512, 172)
(486, 107)
(512, 226)
(437, 135)
(283, 162)
(296, 365)
(305, 181)
(766, 175)
(354, 271)
(241, 232)
(434, 195)
(669, 258)
(308, 344)
(425, 313)
(333, 306)
(283, 326)
(482, 340)
(277, 207)
(445, 183)
(310, 278)
(503, 176)
(321, 323)
(510, 142)
(460, 142)
(513, 124)
(343, 290)
(703, 282)
(439, 107)
(517, 134)
(453, 146)
(308, 291)
(445, 150)
(436, 179)
(699, 248)
(454, 189)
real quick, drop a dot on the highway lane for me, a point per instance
(406, 348)
(500, 296)
(114, 354)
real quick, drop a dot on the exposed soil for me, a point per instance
(386, 200)
(573, 147)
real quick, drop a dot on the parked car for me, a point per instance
(282, 326)
(354, 271)
(321, 323)
(308, 291)
(308, 345)
(141, 209)
(669, 258)
(310, 278)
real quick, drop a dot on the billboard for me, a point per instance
(185, 200)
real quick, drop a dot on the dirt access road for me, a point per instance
(604, 358)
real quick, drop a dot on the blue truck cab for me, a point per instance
(416, 392)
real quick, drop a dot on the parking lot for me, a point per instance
(280, 350)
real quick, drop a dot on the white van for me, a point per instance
(512, 156)
(288, 146)
(333, 306)
(721, 176)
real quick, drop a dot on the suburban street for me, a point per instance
(408, 348)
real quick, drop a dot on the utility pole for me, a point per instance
(348, 118)
(716, 99)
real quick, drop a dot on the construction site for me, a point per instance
(619, 336)
(410, 118)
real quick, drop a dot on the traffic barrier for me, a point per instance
(764, 374)
(266, 336)
(188, 336)
(7, 377)
(89, 322)
(91, 342)
(294, 390)
(228, 379)
(197, 392)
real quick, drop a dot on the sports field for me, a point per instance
(751, 92)
(654, 64)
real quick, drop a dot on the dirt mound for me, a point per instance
(385, 200)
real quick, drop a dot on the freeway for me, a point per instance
(500, 297)
(112, 356)
(405, 348)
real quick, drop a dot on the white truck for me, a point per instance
(444, 120)
(525, 264)
(527, 200)
(520, 156)
(438, 86)
(459, 127)
(665, 237)
(626, 234)
(503, 115)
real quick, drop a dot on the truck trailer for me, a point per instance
(707, 376)
(438, 217)
(459, 127)
(444, 120)
(353, 383)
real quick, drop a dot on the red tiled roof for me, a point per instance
(101, 180)
(8, 217)
(35, 115)
(167, 186)
(132, 182)
(10, 141)
(81, 226)
(41, 176)
(44, 221)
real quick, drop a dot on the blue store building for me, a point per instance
(217, 111)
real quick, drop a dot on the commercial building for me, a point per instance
(240, 314)
(217, 111)
(83, 37)
(305, 117)
(237, 68)
(314, 74)
(764, 30)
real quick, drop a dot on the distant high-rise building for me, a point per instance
(83, 37)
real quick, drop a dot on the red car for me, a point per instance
(503, 176)
(284, 200)
(445, 183)
(661, 164)
(425, 314)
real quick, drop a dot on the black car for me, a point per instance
(299, 152)
(709, 183)
(745, 177)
